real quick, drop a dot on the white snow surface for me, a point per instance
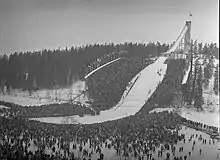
(186, 76)
(211, 100)
(89, 74)
(3, 107)
(211, 104)
(45, 96)
(205, 117)
(162, 110)
(148, 80)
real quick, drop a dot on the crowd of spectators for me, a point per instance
(141, 136)
(136, 136)
(212, 130)
(108, 85)
(104, 60)
(105, 88)
(49, 110)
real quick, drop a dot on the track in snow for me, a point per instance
(142, 90)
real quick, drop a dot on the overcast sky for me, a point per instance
(36, 24)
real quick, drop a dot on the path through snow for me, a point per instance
(132, 103)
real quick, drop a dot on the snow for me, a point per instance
(210, 115)
(101, 67)
(186, 76)
(205, 117)
(132, 103)
(3, 107)
(162, 110)
(132, 100)
(211, 100)
(26, 101)
(195, 60)
(45, 96)
(188, 70)
(209, 151)
(127, 90)
(216, 61)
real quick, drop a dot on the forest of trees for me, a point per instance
(198, 77)
(193, 93)
(208, 71)
(198, 94)
(48, 68)
(209, 50)
(216, 80)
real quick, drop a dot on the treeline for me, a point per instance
(209, 67)
(216, 80)
(199, 77)
(193, 91)
(208, 50)
(49, 68)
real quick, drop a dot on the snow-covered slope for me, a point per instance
(205, 117)
(42, 97)
(136, 98)
(210, 115)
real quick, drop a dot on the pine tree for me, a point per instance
(198, 98)
(205, 61)
(46, 65)
(216, 80)
(193, 84)
(208, 70)
(195, 48)
(200, 48)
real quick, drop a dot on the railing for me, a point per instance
(178, 40)
(175, 50)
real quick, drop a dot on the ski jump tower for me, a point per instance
(181, 47)
(187, 43)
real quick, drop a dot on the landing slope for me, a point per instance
(148, 80)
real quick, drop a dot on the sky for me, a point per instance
(27, 25)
